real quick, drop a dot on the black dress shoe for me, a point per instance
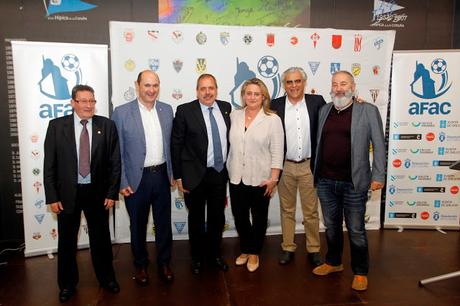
(315, 259)
(220, 263)
(165, 273)
(141, 276)
(65, 295)
(196, 267)
(112, 286)
(286, 257)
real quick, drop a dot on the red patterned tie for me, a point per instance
(83, 164)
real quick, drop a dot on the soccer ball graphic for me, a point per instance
(268, 66)
(438, 66)
(70, 62)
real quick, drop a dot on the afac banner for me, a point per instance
(424, 140)
(44, 75)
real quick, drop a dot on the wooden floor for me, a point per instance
(398, 262)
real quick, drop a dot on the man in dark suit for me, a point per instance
(82, 173)
(299, 113)
(199, 146)
(144, 126)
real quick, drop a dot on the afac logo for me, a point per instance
(424, 86)
(62, 6)
(53, 84)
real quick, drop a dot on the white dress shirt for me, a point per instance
(297, 125)
(153, 136)
(222, 131)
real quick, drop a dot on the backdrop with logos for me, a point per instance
(180, 53)
(44, 75)
(422, 192)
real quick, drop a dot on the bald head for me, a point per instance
(148, 87)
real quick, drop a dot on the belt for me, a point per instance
(297, 161)
(154, 168)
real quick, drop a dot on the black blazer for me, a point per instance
(60, 170)
(189, 142)
(314, 103)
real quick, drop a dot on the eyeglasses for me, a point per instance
(86, 101)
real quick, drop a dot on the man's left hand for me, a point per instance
(376, 185)
(108, 203)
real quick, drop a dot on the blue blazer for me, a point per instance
(128, 120)
(366, 128)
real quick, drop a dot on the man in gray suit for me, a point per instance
(343, 174)
(144, 128)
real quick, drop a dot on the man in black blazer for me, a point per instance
(198, 154)
(82, 173)
(299, 113)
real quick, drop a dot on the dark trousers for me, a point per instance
(153, 191)
(339, 199)
(97, 218)
(245, 201)
(210, 193)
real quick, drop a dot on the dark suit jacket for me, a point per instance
(189, 142)
(60, 169)
(314, 103)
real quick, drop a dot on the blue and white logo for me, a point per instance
(54, 81)
(63, 6)
(442, 136)
(437, 203)
(335, 67)
(392, 189)
(424, 86)
(436, 215)
(407, 163)
(179, 226)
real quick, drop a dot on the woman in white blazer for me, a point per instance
(254, 163)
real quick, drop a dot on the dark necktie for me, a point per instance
(217, 146)
(83, 160)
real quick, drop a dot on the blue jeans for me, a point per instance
(339, 199)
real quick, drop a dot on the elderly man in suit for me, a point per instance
(144, 126)
(199, 147)
(82, 173)
(343, 174)
(299, 114)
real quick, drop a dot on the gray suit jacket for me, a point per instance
(366, 128)
(128, 120)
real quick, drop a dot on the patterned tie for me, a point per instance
(217, 147)
(83, 160)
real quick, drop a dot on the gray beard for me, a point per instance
(341, 102)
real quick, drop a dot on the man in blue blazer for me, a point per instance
(343, 174)
(144, 127)
(299, 114)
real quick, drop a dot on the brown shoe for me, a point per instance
(359, 283)
(326, 269)
(165, 273)
(141, 276)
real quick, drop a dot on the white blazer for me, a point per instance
(253, 153)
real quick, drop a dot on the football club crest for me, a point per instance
(177, 37)
(358, 41)
(179, 226)
(314, 37)
(39, 218)
(201, 38)
(152, 34)
(374, 94)
(177, 64)
(35, 171)
(313, 67)
(129, 94)
(270, 39)
(376, 70)
(35, 154)
(36, 235)
(336, 41)
(224, 38)
(378, 42)
(37, 185)
(294, 40)
(355, 69)
(179, 202)
(130, 65)
(154, 64)
(247, 38)
(34, 138)
(53, 233)
(177, 94)
(335, 67)
(200, 65)
(39, 204)
(128, 35)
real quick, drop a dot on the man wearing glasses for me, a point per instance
(82, 173)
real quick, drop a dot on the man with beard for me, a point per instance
(343, 174)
